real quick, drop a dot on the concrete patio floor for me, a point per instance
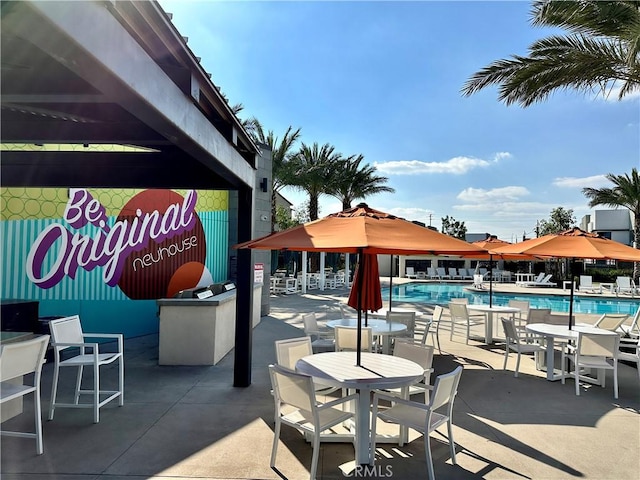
(190, 422)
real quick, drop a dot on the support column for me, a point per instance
(304, 272)
(322, 254)
(244, 298)
(402, 266)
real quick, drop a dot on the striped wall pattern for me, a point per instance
(17, 236)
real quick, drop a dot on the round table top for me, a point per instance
(375, 371)
(378, 327)
(383, 312)
(562, 331)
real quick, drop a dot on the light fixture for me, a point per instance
(264, 184)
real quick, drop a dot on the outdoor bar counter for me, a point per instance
(197, 331)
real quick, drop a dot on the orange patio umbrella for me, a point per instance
(573, 243)
(489, 244)
(363, 230)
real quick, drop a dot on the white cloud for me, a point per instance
(480, 196)
(595, 181)
(455, 166)
(414, 214)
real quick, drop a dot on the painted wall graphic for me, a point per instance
(79, 245)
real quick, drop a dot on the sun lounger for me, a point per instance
(523, 283)
(625, 285)
(542, 283)
(586, 285)
(442, 273)
(432, 273)
(410, 273)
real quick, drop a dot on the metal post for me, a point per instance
(244, 298)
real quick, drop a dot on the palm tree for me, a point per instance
(625, 193)
(600, 52)
(309, 169)
(281, 153)
(350, 181)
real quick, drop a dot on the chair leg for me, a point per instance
(427, 451)
(374, 424)
(517, 363)
(468, 330)
(76, 397)
(315, 454)
(615, 378)
(121, 383)
(276, 439)
(452, 444)
(38, 414)
(506, 356)
(576, 374)
(54, 391)
(96, 392)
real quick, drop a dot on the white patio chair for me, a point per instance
(410, 273)
(406, 318)
(593, 351)
(629, 350)
(322, 339)
(420, 417)
(309, 416)
(18, 361)
(290, 350)
(433, 327)
(524, 306)
(67, 333)
(423, 356)
(347, 339)
(518, 344)
(460, 319)
(611, 321)
(633, 330)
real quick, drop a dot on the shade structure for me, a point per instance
(489, 244)
(573, 243)
(364, 230)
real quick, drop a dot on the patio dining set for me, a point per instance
(392, 384)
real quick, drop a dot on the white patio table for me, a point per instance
(380, 328)
(553, 332)
(376, 371)
(488, 313)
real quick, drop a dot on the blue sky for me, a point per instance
(383, 79)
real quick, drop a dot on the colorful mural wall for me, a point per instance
(107, 255)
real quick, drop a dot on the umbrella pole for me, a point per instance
(570, 297)
(360, 275)
(490, 280)
(390, 281)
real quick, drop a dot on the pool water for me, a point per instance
(441, 294)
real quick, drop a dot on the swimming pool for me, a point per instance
(441, 294)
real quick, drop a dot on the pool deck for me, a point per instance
(183, 423)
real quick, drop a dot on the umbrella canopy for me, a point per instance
(364, 230)
(573, 243)
(489, 244)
